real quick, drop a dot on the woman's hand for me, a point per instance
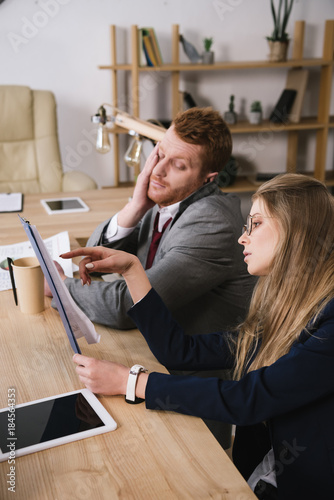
(101, 259)
(101, 377)
(106, 377)
(107, 260)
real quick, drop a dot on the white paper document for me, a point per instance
(56, 245)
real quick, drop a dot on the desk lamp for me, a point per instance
(121, 120)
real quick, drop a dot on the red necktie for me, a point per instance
(156, 237)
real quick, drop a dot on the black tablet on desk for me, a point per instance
(64, 205)
(49, 422)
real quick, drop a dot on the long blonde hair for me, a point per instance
(301, 279)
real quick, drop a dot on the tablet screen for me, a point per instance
(45, 423)
(64, 205)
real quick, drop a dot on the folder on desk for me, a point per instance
(75, 322)
(11, 202)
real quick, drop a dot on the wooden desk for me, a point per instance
(151, 455)
(103, 204)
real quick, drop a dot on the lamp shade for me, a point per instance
(132, 155)
(102, 139)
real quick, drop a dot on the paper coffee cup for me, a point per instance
(29, 281)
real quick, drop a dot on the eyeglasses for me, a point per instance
(248, 227)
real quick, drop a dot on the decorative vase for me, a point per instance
(278, 50)
(208, 57)
(230, 117)
(255, 117)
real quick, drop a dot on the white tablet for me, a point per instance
(45, 423)
(64, 205)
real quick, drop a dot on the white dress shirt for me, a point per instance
(265, 471)
(114, 232)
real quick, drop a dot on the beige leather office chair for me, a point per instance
(29, 150)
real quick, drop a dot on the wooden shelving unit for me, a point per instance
(320, 124)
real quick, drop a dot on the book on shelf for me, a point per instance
(156, 47)
(297, 80)
(149, 50)
(141, 52)
(281, 112)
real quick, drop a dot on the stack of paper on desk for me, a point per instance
(56, 245)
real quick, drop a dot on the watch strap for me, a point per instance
(130, 396)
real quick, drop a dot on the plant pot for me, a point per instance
(208, 57)
(255, 117)
(278, 50)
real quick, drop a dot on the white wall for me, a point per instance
(58, 45)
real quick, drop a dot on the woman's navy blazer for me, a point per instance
(294, 395)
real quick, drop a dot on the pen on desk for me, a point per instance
(11, 274)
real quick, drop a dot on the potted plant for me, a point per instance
(208, 54)
(279, 39)
(255, 116)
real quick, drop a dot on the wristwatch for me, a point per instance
(130, 396)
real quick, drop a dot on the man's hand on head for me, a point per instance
(140, 203)
(47, 290)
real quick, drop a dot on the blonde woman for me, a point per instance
(282, 398)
